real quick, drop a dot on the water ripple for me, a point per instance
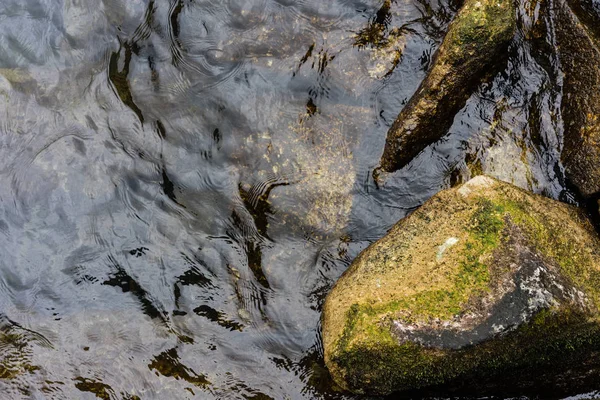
(182, 182)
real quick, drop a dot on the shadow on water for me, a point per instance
(182, 182)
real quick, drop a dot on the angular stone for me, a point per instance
(484, 284)
(473, 48)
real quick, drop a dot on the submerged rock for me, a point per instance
(483, 283)
(475, 44)
(579, 56)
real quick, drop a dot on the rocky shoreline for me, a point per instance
(482, 280)
(486, 284)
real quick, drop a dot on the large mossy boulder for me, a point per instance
(484, 285)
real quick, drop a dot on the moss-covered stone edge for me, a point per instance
(386, 366)
(478, 27)
(416, 366)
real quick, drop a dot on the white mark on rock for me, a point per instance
(539, 297)
(447, 244)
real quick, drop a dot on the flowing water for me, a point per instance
(182, 181)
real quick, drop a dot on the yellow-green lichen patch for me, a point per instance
(470, 278)
(479, 24)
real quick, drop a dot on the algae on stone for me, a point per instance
(473, 48)
(517, 290)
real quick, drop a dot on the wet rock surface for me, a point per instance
(482, 282)
(579, 54)
(473, 50)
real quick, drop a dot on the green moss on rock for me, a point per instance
(436, 300)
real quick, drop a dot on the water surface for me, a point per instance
(181, 182)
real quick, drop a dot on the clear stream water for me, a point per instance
(181, 182)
